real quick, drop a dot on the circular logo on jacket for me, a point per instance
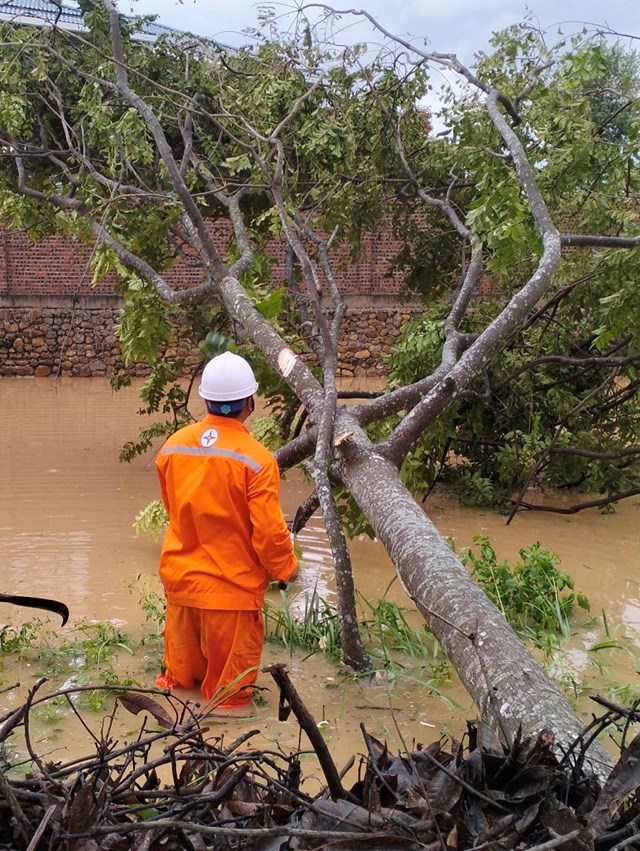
(209, 437)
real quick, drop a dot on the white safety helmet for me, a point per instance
(227, 378)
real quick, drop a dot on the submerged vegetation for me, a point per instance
(535, 596)
(93, 646)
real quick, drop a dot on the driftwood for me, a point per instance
(451, 794)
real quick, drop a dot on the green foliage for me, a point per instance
(542, 423)
(91, 653)
(152, 520)
(476, 489)
(387, 628)
(534, 417)
(146, 438)
(12, 114)
(353, 520)
(547, 411)
(162, 392)
(143, 324)
(418, 350)
(335, 146)
(610, 80)
(534, 595)
(155, 395)
(18, 639)
(153, 605)
(267, 431)
(98, 643)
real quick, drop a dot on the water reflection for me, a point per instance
(62, 557)
(317, 577)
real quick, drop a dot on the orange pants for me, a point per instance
(216, 648)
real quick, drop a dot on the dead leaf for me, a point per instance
(83, 845)
(622, 781)
(242, 808)
(561, 821)
(197, 842)
(81, 812)
(136, 703)
(444, 792)
(528, 782)
(418, 806)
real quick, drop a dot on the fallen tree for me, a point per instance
(136, 148)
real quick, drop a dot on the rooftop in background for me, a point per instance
(67, 16)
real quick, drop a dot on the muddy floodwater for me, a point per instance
(67, 507)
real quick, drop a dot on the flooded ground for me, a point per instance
(67, 508)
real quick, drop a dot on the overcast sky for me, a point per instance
(451, 26)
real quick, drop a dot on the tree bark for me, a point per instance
(507, 684)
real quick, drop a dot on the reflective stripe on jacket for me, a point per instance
(227, 535)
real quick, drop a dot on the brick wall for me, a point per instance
(57, 266)
(53, 322)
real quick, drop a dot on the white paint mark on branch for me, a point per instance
(286, 362)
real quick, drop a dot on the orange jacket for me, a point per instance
(227, 535)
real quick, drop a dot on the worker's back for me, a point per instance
(227, 535)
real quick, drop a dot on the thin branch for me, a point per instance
(560, 427)
(504, 325)
(210, 258)
(581, 506)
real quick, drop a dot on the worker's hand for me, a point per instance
(295, 574)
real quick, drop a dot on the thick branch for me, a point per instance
(568, 240)
(211, 259)
(495, 336)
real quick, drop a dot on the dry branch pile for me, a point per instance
(449, 795)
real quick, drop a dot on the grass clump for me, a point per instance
(89, 654)
(315, 628)
(535, 596)
(403, 651)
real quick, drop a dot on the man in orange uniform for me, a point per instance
(226, 539)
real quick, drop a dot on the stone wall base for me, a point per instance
(62, 335)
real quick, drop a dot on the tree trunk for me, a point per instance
(507, 684)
